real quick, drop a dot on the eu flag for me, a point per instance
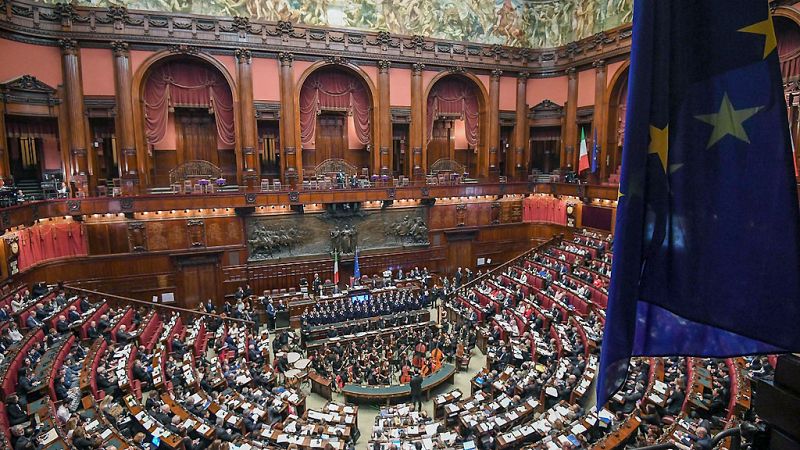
(356, 268)
(595, 152)
(706, 253)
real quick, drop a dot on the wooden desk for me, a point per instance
(150, 424)
(320, 385)
(388, 393)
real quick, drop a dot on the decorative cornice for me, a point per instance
(599, 65)
(496, 74)
(456, 70)
(243, 55)
(39, 23)
(417, 68)
(286, 58)
(523, 77)
(571, 72)
(120, 49)
(384, 65)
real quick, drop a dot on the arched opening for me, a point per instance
(336, 119)
(615, 135)
(188, 111)
(787, 32)
(455, 108)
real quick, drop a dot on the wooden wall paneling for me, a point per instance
(223, 231)
(196, 277)
(97, 235)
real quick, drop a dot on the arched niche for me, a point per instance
(617, 101)
(201, 122)
(786, 21)
(337, 120)
(447, 134)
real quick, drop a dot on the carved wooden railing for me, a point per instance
(194, 170)
(447, 165)
(335, 165)
(188, 33)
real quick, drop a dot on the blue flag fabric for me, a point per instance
(706, 251)
(356, 268)
(595, 152)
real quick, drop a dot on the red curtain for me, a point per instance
(44, 242)
(338, 91)
(455, 96)
(40, 127)
(544, 208)
(187, 84)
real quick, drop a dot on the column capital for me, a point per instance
(286, 58)
(522, 77)
(599, 65)
(120, 49)
(417, 68)
(68, 46)
(571, 72)
(384, 65)
(243, 55)
(496, 74)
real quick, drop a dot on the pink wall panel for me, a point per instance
(300, 67)
(586, 87)
(97, 67)
(460, 135)
(612, 69)
(553, 89)
(230, 65)
(485, 80)
(508, 94)
(372, 74)
(400, 92)
(51, 156)
(265, 80)
(40, 61)
(137, 58)
(427, 76)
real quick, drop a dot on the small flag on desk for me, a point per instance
(583, 160)
(335, 267)
(706, 252)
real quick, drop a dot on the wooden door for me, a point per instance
(331, 138)
(196, 135)
(441, 141)
(197, 281)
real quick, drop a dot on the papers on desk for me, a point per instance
(578, 429)
(203, 429)
(106, 433)
(49, 437)
(551, 391)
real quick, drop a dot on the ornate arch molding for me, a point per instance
(137, 86)
(360, 74)
(483, 111)
(611, 101)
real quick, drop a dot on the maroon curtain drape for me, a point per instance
(44, 242)
(334, 90)
(596, 217)
(187, 84)
(455, 96)
(544, 208)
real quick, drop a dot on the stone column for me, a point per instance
(599, 121)
(79, 162)
(516, 164)
(292, 154)
(489, 164)
(569, 155)
(385, 118)
(248, 115)
(417, 138)
(129, 165)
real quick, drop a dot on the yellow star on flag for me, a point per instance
(766, 29)
(659, 144)
(728, 121)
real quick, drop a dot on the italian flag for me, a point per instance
(583, 161)
(335, 268)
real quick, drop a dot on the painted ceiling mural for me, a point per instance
(525, 23)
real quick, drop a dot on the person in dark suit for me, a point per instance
(16, 413)
(73, 315)
(32, 321)
(675, 402)
(92, 332)
(26, 387)
(416, 390)
(123, 337)
(62, 326)
(19, 441)
(84, 304)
